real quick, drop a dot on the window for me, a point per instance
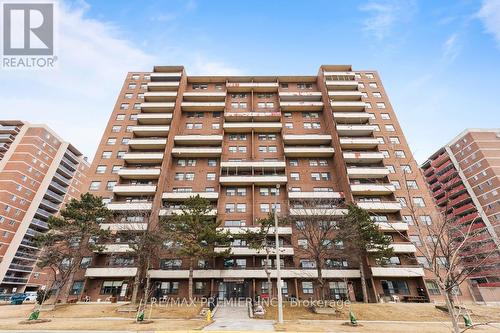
(403, 202)
(381, 105)
(400, 154)
(412, 185)
(241, 208)
(289, 125)
(169, 287)
(211, 176)
(422, 261)
(115, 168)
(394, 140)
(124, 106)
(302, 243)
(230, 208)
(385, 153)
(304, 85)
(110, 185)
(111, 141)
(377, 95)
(94, 186)
(77, 287)
(100, 169)
(406, 168)
(170, 263)
(294, 176)
(432, 287)
(373, 85)
(426, 219)
(395, 287)
(391, 168)
(419, 202)
(212, 163)
(408, 219)
(120, 154)
(106, 155)
(215, 125)
(389, 128)
(200, 86)
(264, 208)
(120, 117)
(369, 75)
(293, 163)
(85, 262)
(199, 287)
(307, 287)
(116, 129)
(396, 184)
(111, 287)
(415, 239)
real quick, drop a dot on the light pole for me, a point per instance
(278, 262)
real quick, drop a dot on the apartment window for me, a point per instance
(116, 129)
(294, 176)
(120, 117)
(129, 95)
(241, 208)
(200, 86)
(110, 185)
(391, 168)
(76, 288)
(408, 219)
(412, 185)
(364, 95)
(135, 77)
(212, 163)
(389, 128)
(85, 262)
(422, 261)
(373, 85)
(293, 163)
(230, 208)
(384, 116)
(415, 239)
(242, 149)
(169, 287)
(116, 168)
(100, 169)
(140, 96)
(264, 208)
(287, 114)
(396, 184)
(394, 261)
(368, 105)
(94, 186)
(385, 153)
(307, 287)
(218, 86)
(211, 176)
(406, 168)
(120, 154)
(369, 75)
(111, 141)
(189, 176)
(419, 202)
(289, 125)
(432, 287)
(284, 86)
(215, 125)
(304, 85)
(403, 202)
(133, 116)
(125, 141)
(381, 105)
(124, 106)
(395, 287)
(302, 243)
(400, 154)
(394, 140)
(377, 95)
(426, 219)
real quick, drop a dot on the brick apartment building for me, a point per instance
(464, 178)
(232, 139)
(39, 172)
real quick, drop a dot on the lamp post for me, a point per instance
(278, 261)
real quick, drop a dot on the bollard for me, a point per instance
(209, 315)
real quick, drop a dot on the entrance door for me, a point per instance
(233, 290)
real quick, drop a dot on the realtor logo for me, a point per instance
(28, 29)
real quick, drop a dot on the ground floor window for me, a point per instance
(77, 287)
(111, 287)
(264, 287)
(307, 287)
(200, 287)
(432, 286)
(395, 287)
(169, 287)
(338, 289)
(284, 287)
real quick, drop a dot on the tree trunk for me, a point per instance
(67, 287)
(190, 290)
(451, 311)
(321, 282)
(268, 274)
(363, 280)
(135, 291)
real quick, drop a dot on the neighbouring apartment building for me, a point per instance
(464, 178)
(39, 173)
(232, 140)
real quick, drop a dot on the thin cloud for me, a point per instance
(490, 16)
(451, 48)
(384, 15)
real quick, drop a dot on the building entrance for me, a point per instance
(232, 290)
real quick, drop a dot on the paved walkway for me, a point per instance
(235, 318)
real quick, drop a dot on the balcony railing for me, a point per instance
(14, 280)
(40, 223)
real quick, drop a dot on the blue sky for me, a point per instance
(439, 60)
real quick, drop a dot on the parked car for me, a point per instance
(5, 297)
(30, 296)
(17, 299)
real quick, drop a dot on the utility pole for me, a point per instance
(278, 261)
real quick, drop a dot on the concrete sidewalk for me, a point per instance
(235, 318)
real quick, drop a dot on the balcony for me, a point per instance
(54, 196)
(307, 139)
(154, 118)
(198, 140)
(248, 116)
(396, 271)
(249, 179)
(465, 209)
(163, 107)
(351, 117)
(345, 95)
(58, 188)
(40, 224)
(110, 272)
(6, 138)
(147, 143)
(139, 173)
(115, 248)
(61, 180)
(204, 96)
(363, 157)
(151, 130)
(203, 106)
(317, 212)
(263, 127)
(129, 206)
(47, 205)
(359, 143)
(134, 189)
(143, 157)
(257, 273)
(242, 165)
(8, 129)
(372, 189)
(14, 280)
(196, 151)
(301, 106)
(315, 195)
(246, 251)
(367, 172)
(165, 76)
(243, 230)
(380, 207)
(342, 85)
(129, 226)
(65, 171)
(300, 96)
(162, 96)
(356, 130)
(440, 160)
(255, 86)
(345, 75)
(309, 151)
(20, 268)
(340, 106)
(403, 248)
(392, 226)
(43, 213)
(178, 211)
(163, 86)
(182, 196)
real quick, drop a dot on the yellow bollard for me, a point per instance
(209, 315)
